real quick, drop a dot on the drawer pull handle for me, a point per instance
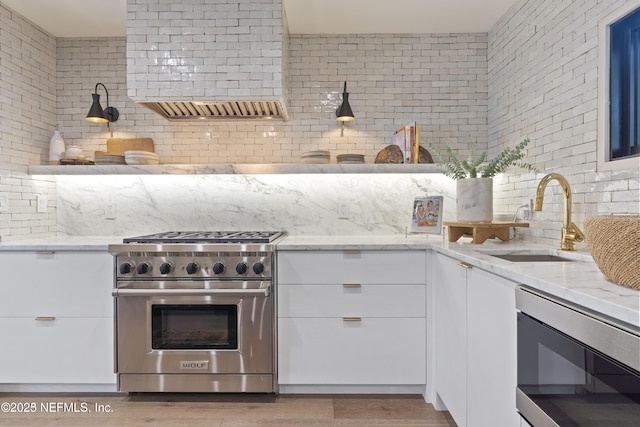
(45, 252)
(352, 319)
(45, 318)
(351, 285)
(465, 265)
(351, 252)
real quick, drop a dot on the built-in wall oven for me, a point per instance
(194, 312)
(575, 367)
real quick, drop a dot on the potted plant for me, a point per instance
(474, 179)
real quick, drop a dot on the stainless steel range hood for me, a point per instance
(208, 59)
(173, 110)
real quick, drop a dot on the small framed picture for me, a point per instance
(427, 215)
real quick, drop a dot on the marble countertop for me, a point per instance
(60, 244)
(578, 281)
(375, 242)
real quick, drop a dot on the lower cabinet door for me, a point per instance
(491, 350)
(337, 351)
(64, 350)
(450, 290)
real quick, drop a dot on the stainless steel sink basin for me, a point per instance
(532, 258)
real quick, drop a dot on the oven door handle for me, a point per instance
(264, 292)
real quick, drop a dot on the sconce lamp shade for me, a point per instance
(97, 114)
(344, 113)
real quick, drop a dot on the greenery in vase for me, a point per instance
(475, 166)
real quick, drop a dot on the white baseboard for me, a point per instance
(351, 389)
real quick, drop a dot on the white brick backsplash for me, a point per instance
(451, 108)
(542, 68)
(534, 75)
(27, 121)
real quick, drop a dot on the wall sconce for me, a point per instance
(97, 114)
(344, 113)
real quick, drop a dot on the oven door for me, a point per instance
(194, 327)
(570, 366)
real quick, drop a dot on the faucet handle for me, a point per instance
(570, 235)
(575, 233)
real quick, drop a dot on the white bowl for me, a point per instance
(140, 153)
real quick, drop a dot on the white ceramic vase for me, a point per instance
(474, 200)
(56, 148)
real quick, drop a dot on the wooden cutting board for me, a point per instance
(120, 145)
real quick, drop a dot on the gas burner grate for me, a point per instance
(207, 237)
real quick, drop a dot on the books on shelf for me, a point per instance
(407, 138)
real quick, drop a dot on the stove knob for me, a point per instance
(126, 267)
(258, 268)
(166, 268)
(241, 268)
(143, 268)
(192, 268)
(218, 268)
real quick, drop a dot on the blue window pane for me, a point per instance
(624, 87)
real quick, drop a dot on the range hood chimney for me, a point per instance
(208, 59)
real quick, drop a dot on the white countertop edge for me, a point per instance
(358, 242)
(579, 282)
(235, 169)
(61, 244)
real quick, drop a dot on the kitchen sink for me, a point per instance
(533, 258)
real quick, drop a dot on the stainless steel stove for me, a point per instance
(207, 237)
(194, 312)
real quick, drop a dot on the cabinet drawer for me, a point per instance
(60, 351)
(58, 284)
(361, 301)
(333, 351)
(337, 267)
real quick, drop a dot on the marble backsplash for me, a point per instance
(301, 204)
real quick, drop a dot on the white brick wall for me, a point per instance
(27, 122)
(197, 49)
(543, 80)
(534, 75)
(438, 80)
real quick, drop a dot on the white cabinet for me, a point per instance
(372, 350)
(475, 343)
(65, 350)
(56, 318)
(351, 317)
(450, 306)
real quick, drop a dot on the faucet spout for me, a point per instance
(570, 232)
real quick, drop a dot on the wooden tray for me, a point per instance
(481, 231)
(76, 162)
(120, 145)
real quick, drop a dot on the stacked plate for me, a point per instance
(109, 159)
(134, 157)
(350, 158)
(317, 157)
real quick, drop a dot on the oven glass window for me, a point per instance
(194, 327)
(572, 383)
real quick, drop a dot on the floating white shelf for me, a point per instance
(238, 169)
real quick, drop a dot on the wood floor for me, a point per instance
(211, 410)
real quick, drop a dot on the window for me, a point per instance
(619, 89)
(624, 114)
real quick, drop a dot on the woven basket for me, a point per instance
(614, 243)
